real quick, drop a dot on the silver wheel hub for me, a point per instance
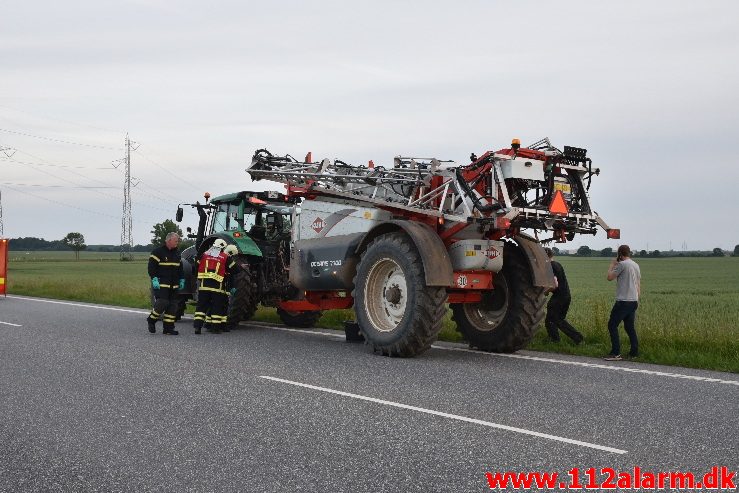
(385, 295)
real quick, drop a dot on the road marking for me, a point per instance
(543, 359)
(444, 348)
(99, 307)
(596, 365)
(8, 323)
(450, 416)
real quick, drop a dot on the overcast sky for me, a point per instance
(649, 88)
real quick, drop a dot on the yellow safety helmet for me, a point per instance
(231, 250)
(219, 243)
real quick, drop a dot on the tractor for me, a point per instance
(259, 225)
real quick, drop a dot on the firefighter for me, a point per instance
(167, 277)
(213, 269)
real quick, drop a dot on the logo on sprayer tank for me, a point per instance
(318, 225)
(491, 253)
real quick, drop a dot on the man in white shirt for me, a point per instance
(628, 288)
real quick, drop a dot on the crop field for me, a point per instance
(688, 315)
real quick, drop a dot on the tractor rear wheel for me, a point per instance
(397, 313)
(507, 318)
(243, 303)
(299, 319)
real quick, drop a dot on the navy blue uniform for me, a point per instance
(165, 265)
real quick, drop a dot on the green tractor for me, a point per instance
(259, 225)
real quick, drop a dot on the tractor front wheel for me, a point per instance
(243, 304)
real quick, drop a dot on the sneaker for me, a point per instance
(613, 357)
(152, 325)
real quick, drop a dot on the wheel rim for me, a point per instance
(490, 312)
(385, 295)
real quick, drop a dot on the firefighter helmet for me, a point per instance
(219, 243)
(231, 250)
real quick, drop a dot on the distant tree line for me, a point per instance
(31, 243)
(76, 241)
(586, 251)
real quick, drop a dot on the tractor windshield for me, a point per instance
(267, 221)
(226, 218)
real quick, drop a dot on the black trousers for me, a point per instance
(166, 302)
(557, 309)
(623, 311)
(212, 305)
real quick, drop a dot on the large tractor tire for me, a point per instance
(243, 304)
(506, 319)
(397, 313)
(299, 319)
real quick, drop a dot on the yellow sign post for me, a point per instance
(3, 266)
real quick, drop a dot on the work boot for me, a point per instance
(152, 325)
(197, 331)
(170, 332)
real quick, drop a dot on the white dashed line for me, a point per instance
(451, 416)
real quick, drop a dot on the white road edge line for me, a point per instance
(8, 323)
(500, 355)
(99, 307)
(597, 365)
(544, 360)
(450, 416)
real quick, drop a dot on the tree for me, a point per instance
(161, 230)
(717, 252)
(76, 242)
(584, 251)
(736, 251)
(606, 252)
(642, 253)
(655, 253)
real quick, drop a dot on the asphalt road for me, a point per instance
(90, 401)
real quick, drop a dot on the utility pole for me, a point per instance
(127, 220)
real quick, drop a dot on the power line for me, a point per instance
(70, 170)
(165, 169)
(68, 166)
(59, 140)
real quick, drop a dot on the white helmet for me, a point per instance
(231, 250)
(219, 243)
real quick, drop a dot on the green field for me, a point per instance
(688, 315)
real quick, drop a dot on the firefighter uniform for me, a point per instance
(165, 266)
(213, 270)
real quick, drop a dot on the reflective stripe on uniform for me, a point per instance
(210, 275)
(155, 258)
(168, 263)
(215, 290)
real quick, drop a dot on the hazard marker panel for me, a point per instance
(558, 205)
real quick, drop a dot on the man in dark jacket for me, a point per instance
(559, 304)
(167, 277)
